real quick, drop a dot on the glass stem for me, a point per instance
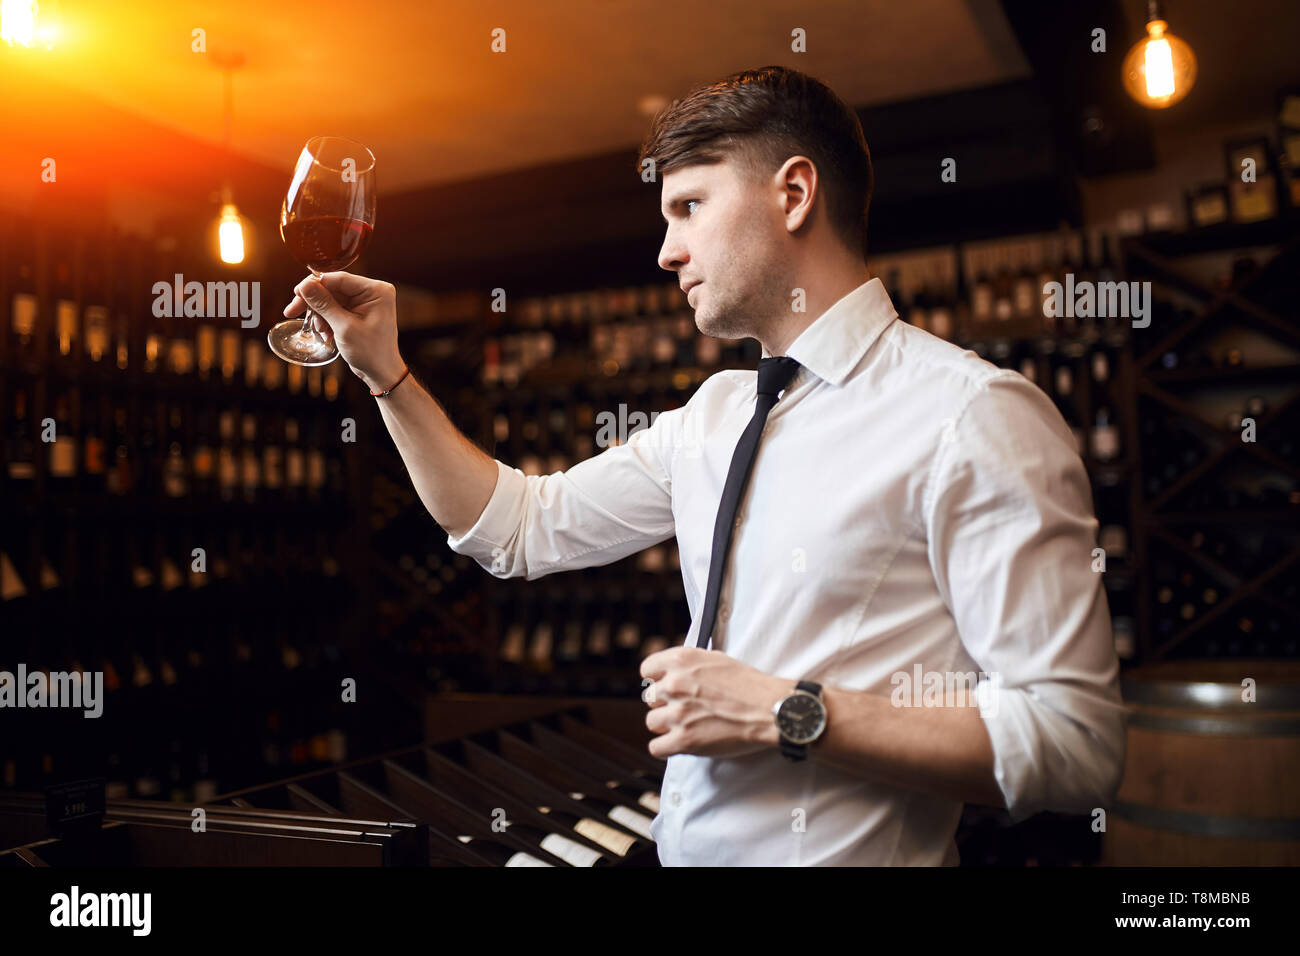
(306, 316)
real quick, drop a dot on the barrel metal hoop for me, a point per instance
(1208, 694)
(1233, 726)
(1205, 824)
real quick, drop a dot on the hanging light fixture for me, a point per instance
(1160, 68)
(25, 23)
(230, 225)
(18, 21)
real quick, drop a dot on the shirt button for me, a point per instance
(740, 516)
(724, 612)
(677, 798)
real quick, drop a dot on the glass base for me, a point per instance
(288, 340)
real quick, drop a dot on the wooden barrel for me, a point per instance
(1209, 779)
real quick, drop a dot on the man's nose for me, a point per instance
(672, 256)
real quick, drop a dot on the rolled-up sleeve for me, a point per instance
(600, 510)
(1011, 538)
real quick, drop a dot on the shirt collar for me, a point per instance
(835, 342)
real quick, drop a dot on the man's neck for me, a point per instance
(818, 297)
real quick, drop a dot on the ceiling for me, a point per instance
(484, 157)
(419, 84)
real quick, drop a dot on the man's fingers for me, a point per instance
(653, 696)
(295, 308)
(345, 283)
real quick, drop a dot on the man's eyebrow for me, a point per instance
(673, 203)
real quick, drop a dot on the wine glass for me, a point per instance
(326, 221)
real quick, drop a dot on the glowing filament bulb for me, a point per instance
(230, 235)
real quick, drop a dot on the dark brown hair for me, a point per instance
(766, 116)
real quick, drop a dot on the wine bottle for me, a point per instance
(513, 643)
(204, 462)
(1108, 271)
(1105, 436)
(96, 317)
(94, 449)
(24, 302)
(598, 638)
(540, 649)
(570, 851)
(205, 350)
(66, 314)
(645, 798)
(273, 460)
(249, 468)
(20, 446)
(119, 480)
(570, 649)
(1088, 323)
(230, 350)
(624, 816)
(227, 464)
(1004, 286)
(1049, 270)
(982, 293)
(1025, 301)
(1067, 324)
(175, 477)
(627, 642)
(601, 834)
(499, 854)
(62, 469)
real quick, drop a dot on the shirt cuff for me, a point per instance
(489, 540)
(1046, 760)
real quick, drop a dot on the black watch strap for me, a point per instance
(800, 751)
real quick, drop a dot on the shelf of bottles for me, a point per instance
(173, 500)
(1217, 388)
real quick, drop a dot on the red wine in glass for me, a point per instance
(326, 221)
(326, 243)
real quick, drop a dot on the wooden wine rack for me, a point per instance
(1164, 261)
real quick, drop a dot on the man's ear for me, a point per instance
(797, 186)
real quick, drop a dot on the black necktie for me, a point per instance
(774, 374)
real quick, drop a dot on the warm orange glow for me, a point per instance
(230, 235)
(18, 22)
(1160, 69)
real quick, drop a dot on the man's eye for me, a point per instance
(688, 203)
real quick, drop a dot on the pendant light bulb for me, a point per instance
(1160, 69)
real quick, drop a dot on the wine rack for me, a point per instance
(554, 789)
(1216, 391)
(178, 514)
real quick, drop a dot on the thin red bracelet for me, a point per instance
(393, 386)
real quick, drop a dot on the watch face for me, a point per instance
(801, 717)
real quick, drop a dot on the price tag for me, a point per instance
(75, 807)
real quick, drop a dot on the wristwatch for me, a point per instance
(800, 719)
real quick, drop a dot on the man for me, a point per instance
(915, 520)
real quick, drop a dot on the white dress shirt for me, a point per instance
(911, 506)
